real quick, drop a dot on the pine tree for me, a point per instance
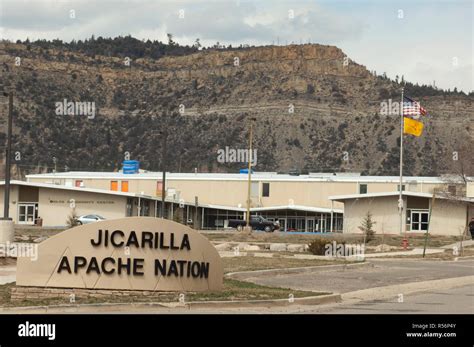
(367, 227)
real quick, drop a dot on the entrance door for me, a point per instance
(419, 220)
(310, 225)
(26, 214)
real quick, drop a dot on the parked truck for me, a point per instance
(256, 222)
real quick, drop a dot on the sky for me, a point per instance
(428, 42)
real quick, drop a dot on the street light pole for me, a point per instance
(6, 203)
(249, 184)
(163, 168)
(6, 223)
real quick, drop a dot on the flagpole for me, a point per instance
(400, 199)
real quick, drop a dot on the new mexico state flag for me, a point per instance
(413, 127)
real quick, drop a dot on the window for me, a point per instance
(159, 188)
(265, 189)
(125, 186)
(114, 185)
(145, 208)
(254, 190)
(27, 213)
(398, 187)
(129, 208)
(419, 220)
(79, 183)
(362, 188)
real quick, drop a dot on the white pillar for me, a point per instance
(7, 231)
(332, 207)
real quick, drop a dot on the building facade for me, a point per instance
(299, 203)
(440, 215)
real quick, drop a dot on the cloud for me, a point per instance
(224, 21)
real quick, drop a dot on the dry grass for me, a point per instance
(236, 264)
(33, 232)
(233, 290)
(392, 240)
(278, 237)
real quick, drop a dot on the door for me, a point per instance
(310, 225)
(26, 214)
(282, 222)
(300, 225)
(419, 220)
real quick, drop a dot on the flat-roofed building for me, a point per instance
(267, 189)
(55, 203)
(209, 200)
(449, 215)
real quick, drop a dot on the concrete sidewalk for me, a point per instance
(7, 274)
(415, 251)
(465, 243)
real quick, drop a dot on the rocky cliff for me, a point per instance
(314, 109)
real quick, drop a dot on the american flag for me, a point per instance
(412, 107)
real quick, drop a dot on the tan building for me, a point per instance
(54, 203)
(267, 190)
(209, 200)
(449, 216)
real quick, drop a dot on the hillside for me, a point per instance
(336, 111)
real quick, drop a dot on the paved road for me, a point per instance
(456, 300)
(382, 273)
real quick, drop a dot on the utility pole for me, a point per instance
(401, 209)
(6, 223)
(163, 168)
(432, 202)
(249, 183)
(6, 208)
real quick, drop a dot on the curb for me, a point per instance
(308, 300)
(294, 270)
(462, 258)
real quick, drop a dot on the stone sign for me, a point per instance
(135, 253)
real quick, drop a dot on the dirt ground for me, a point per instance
(392, 240)
(29, 233)
(233, 290)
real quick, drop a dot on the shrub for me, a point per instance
(318, 246)
(71, 221)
